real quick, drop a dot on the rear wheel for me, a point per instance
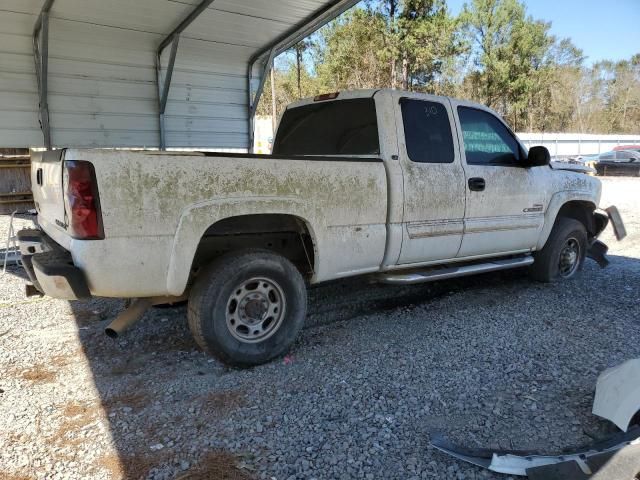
(564, 253)
(247, 307)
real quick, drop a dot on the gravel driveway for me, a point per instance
(493, 361)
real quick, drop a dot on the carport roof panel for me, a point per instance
(106, 50)
(239, 22)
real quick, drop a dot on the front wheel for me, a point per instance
(247, 307)
(564, 253)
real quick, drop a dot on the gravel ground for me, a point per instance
(494, 361)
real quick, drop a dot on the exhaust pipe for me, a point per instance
(127, 318)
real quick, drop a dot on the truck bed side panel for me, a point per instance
(156, 207)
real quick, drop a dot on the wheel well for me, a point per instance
(581, 211)
(286, 235)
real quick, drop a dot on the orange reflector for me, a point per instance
(326, 96)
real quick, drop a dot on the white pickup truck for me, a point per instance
(401, 186)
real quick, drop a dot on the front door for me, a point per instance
(434, 192)
(505, 200)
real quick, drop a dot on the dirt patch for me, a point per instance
(88, 316)
(14, 476)
(39, 374)
(136, 401)
(78, 409)
(218, 403)
(218, 465)
(14, 438)
(76, 416)
(179, 342)
(60, 360)
(130, 467)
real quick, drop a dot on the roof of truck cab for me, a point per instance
(368, 93)
(102, 84)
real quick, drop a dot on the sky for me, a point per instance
(602, 29)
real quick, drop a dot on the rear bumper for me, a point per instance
(50, 267)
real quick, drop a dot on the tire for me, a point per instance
(247, 307)
(563, 255)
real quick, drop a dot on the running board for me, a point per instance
(452, 272)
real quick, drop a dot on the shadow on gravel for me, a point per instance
(167, 403)
(175, 413)
(12, 269)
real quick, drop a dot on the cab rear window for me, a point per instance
(342, 127)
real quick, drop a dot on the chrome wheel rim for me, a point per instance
(255, 309)
(569, 257)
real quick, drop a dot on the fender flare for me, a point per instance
(197, 218)
(558, 200)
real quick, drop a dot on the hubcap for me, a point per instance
(255, 310)
(569, 258)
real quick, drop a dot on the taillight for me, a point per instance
(82, 201)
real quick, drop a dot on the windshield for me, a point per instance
(342, 127)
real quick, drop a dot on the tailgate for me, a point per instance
(46, 184)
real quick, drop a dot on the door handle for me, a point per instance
(476, 184)
(39, 176)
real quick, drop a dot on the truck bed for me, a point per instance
(156, 206)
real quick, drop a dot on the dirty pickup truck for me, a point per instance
(402, 187)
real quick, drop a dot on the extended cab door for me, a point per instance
(505, 200)
(434, 192)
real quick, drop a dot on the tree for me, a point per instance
(428, 36)
(493, 53)
(299, 50)
(351, 52)
(511, 53)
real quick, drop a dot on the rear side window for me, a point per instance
(342, 127)
(486, 140)
(427, 131)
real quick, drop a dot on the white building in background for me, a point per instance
(558, 144)
(573, 144)
(263, 135)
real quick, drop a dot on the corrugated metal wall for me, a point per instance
(102, 81)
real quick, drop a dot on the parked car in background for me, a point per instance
(627, 147)
(617, 162)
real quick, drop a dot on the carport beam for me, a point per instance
(284, 42)
(253, 103)
(41, 57)
(164, 86)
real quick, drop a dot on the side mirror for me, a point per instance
(538, 157)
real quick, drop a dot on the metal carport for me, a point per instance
(99, 84)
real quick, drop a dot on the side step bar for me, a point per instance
(442, 273)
